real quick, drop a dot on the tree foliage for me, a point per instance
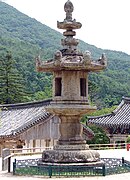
(12, 87)
(128, 139)
(100, 136)
(26, 38)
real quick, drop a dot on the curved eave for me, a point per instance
(119, 118)
(17, 132)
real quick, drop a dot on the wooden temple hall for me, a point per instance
(29, 125)
(117, 123)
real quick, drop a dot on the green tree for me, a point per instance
(100, 136)
(128, 139)
(12, 88)
(25, 38)
(40, 95)
(93, 91)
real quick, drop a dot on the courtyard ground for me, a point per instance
(117, 153)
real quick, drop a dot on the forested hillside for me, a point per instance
(26, 38)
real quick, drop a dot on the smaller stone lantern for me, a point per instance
(70, 70)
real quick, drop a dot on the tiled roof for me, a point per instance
(16, 118)
(119, 118)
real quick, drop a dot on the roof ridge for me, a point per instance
(104, 115)
(26, 104)
(119, 106)
(126, 99)
(119, 117)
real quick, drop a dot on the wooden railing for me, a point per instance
(36, 150)
(108, 146)
(39, 150)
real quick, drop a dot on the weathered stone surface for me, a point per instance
(67, 63)
(70, 156)
(70, 128)
(77, 147)
(70, 102)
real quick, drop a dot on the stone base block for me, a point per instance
(71, 147)
(70, 156)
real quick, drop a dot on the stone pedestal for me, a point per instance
(70, 154)
(71, 146)
(71, 129)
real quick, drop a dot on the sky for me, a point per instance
(105, 23)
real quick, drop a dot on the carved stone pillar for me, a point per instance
(70, 130)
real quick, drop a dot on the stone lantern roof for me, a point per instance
(70, 58)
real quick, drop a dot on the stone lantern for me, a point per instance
(70, 69)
